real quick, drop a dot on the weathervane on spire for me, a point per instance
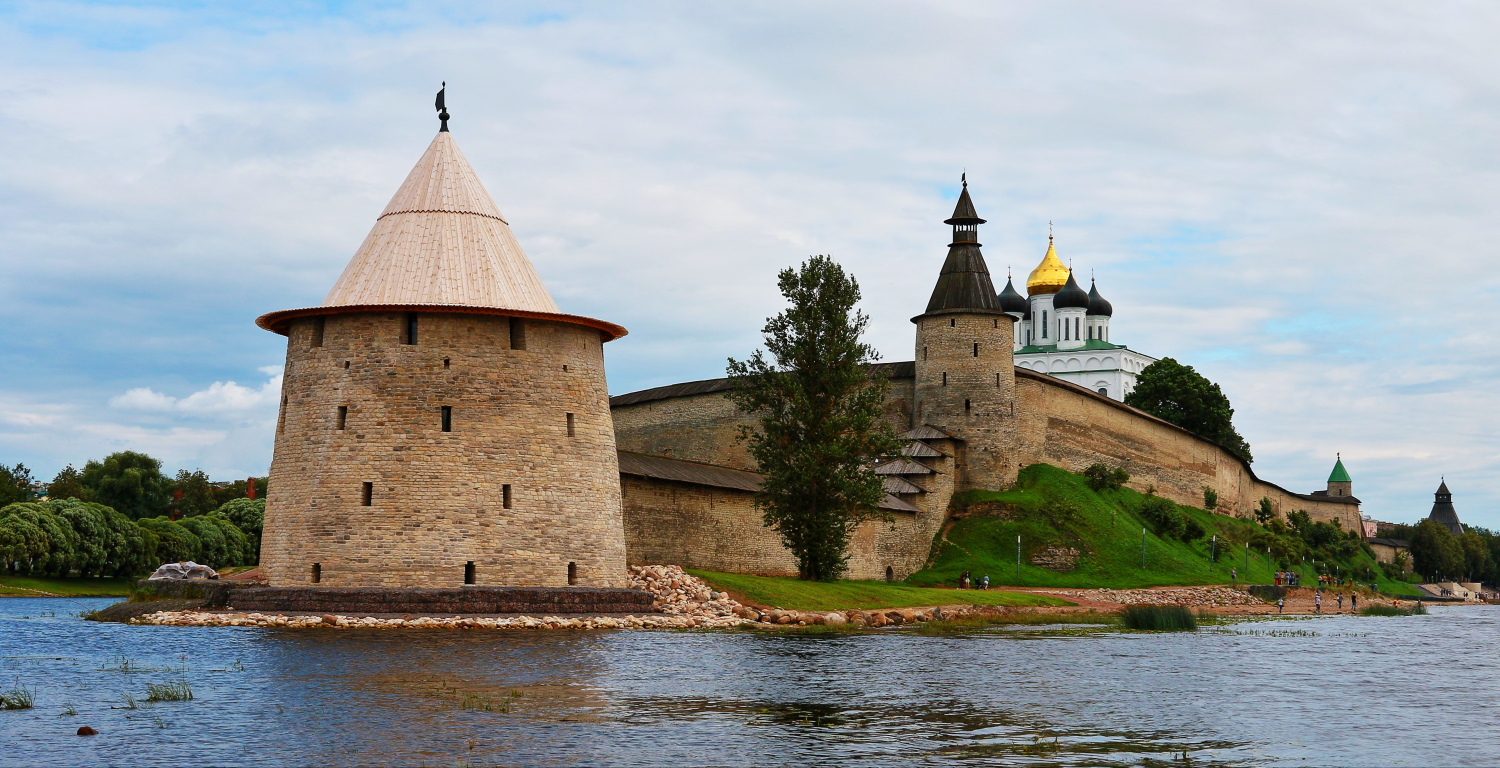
(964, 177)
(442, 108)
(1049, 231)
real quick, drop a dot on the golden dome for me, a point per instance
(1049, 276)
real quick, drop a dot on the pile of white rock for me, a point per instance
(331, 621)
(1189, 596)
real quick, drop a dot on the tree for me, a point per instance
(15, 484)
(68, 484)
(192, 494)
(129, 482)
(819, 426)
(1264, 511)
(1102, 478)
(1210, 499)
(1436, 552)
(1176, 393)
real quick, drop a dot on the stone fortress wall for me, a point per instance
(519, 488)
(1053, 422)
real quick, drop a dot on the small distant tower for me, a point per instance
(1100, 312)
(1018, 308)
(442, 422)
(1443, 512)
(965, 369)
(1339, 482)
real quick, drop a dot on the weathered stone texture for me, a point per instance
(467, 600)
(965, 386)
(719, 529)
(437, 500)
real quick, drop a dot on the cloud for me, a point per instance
(1291, 197)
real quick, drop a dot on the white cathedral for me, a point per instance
(1063, 331)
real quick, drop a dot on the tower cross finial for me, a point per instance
(1049, 231)
(964, 177)
(442, 108)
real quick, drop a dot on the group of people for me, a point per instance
(1318, 602)
(1288, 579)
(965, 581)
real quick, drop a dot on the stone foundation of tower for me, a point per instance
(370, 490)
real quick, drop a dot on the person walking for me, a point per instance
(984, 581)
(1234, 576)
(1280, 604)
(1318, 601)
(1341, 602)
(1354, 603)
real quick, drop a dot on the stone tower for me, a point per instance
(1339, 482)
(965, 375)
(1442, 510)
(442, 422)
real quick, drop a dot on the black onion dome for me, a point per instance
(1097, 304)
(1012, 301)
(1071, 296)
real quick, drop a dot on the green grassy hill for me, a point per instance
(26, 586)
(1050, 507)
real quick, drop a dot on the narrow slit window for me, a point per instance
(945, 378)
(997, 379)
(572, 574)
(447, 418)
(410, 336)
(317, 331)
(517, 333)
(924, 353)
(967, 405)
(953, 322)
(367, 494)
(505, 496)
(571, 430)
(976, 349)
(445, 362)
(469, 572)
(317, 572)
(346, 365)
(343, 418)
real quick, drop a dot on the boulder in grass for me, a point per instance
(182, 571)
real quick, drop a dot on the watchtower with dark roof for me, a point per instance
(965, 362)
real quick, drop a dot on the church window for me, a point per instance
(447, 418)
(1065, 328)
(1104, 391)
(317, 331)
(411, 329)
(1091, 333)
(505, 496)
(572, 574)
(1044, 323)
(343, 417)
(367, 494)
(469, 572)
(1076, 321)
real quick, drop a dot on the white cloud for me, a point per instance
(143, 399)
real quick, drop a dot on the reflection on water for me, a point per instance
(1325, 691)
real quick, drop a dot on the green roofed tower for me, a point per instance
(1339, 482)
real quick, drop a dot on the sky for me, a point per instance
(1294, 198)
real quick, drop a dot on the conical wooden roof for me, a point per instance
(442, 240)
(441, 244)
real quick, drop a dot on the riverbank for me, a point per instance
(29, 586)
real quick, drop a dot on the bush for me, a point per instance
(1163, 517)
(1102, 478)
(1159, 618)
(174, 543)
(1192, 531)
(1265, 511)
(1210, 499)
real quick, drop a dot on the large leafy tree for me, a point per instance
(1175, 392)
(1435, 551)
(819, 425)
(68, 484)
(192, 494)
(129, 482)
(15, 484)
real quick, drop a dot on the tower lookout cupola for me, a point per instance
(1339, 482)
(442, 422)
(1443, 512)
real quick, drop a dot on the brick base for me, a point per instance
(469, 600)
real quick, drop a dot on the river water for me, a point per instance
(1341, 690)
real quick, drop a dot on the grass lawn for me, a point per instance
(26, 586)
(1052, 507)
(796, 594)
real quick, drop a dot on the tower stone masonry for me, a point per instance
(443, 424)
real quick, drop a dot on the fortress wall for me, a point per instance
(1071, 427)
(702, 428)
(438, 497)
(705, 427)
(719, 529)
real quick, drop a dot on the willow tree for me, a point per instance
(819, 424)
